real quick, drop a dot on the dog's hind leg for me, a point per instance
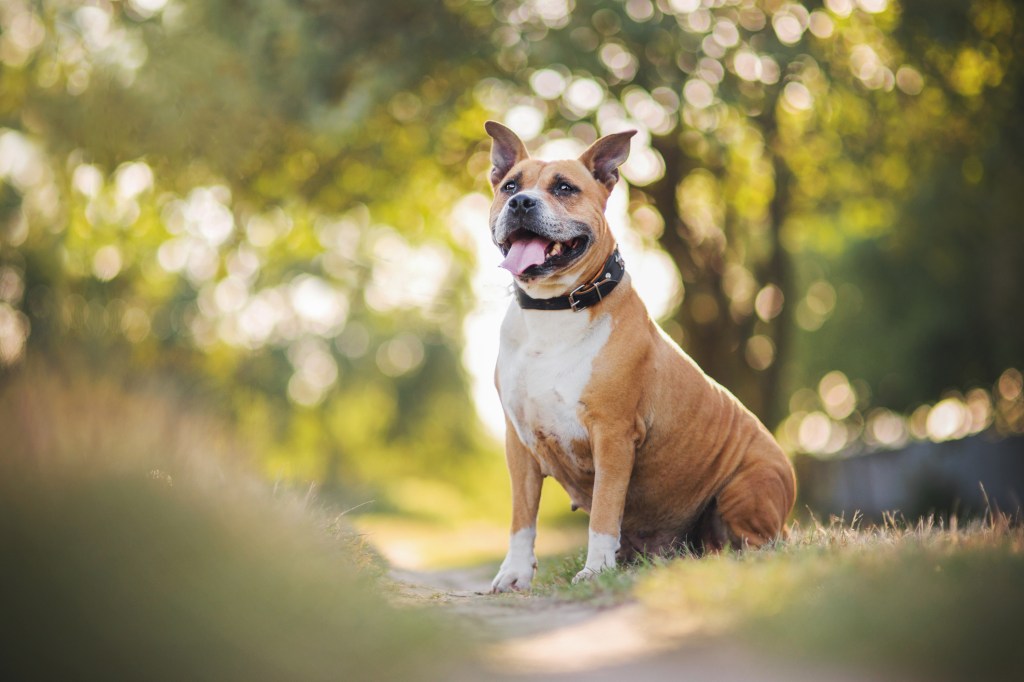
(709, 533)
(754, 504)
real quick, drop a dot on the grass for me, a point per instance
(136, 546)
(918, 599)
(908, 598)
(555, 574)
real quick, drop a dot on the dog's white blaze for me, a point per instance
(544, 364)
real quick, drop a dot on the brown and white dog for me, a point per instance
(598, 397)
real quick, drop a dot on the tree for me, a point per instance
(254, 197)
(788, 137)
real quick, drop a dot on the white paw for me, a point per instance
(584, 575)
(516, 572)
(517, 577)
(600, 556)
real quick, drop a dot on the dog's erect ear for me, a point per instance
(506, 150)
(604, 157)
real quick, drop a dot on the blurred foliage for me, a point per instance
(138, 545)
(252, 197)
(256, 198)
(854, 163)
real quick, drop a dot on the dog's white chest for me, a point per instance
(545, 362)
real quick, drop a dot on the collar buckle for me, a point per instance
(576, 305)
(583, 289)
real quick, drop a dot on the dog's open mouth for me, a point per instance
(529, 253)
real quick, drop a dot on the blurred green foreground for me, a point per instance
(136, 546)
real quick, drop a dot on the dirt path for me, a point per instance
(538, 638)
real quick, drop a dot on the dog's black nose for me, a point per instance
(521, 204)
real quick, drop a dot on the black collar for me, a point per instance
(583, 296)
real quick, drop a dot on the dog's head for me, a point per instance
(548, 217)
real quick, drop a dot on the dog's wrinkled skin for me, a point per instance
(602, 400)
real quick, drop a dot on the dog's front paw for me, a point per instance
(514, 577)
(584, 575)
(600, 556)
(589, 572)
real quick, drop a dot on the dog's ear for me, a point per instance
(506, 150)
(604, 157)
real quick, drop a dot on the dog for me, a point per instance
(598, 397)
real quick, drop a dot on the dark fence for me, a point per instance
(962, 478)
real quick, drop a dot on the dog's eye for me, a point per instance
(564, 188)
(509, 187)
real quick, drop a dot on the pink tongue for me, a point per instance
(524, 253)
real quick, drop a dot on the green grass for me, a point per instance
(903, 598)
(555, 574)
(135, 545)
(918, 600)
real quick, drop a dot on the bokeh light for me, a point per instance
(314, 230)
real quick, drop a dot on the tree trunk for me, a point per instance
(713, 343)
(778, 272)
(718, 344)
